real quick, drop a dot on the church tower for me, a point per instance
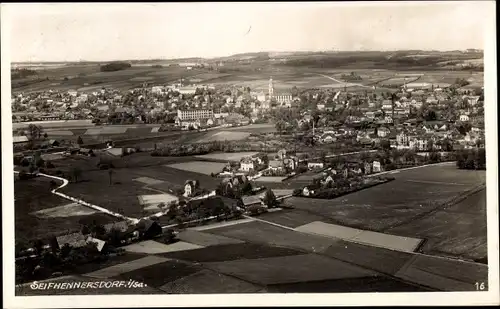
(271, 87)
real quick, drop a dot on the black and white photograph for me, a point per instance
(249, 153)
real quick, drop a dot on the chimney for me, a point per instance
(392, 101)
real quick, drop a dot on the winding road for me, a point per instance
(65, 182)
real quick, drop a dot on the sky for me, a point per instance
(99, 32)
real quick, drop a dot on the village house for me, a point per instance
(387, 105)
(376, 167)
(419, 143)
(247, 165)
(291, 163)
(276, 165)
(383, 132)
(464, 118)
(190, 187)
(251, 200)
(315, 165)
(307, 191)
(233, 181)
(20, 140)
(100, 244)
(328, 138)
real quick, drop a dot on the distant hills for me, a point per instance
(457, 59)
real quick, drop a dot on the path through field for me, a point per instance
(81, 202)
(341, 82)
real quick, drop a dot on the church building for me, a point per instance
(281, 98)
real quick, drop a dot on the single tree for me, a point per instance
(270, 199)
(110, 174)
(76, 173)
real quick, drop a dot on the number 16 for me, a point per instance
(480, 286)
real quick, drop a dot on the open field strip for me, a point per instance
(106, 130)
(224, 136)
(201, 167)
(437, 182)
(278, 270)
(393, 242)
(69, 210)
(205, 239)
(235, 156)
(197, 284)
(127, 267)
(223, 224)
(154, 247)
(59, 133)
(409, 168)
(344, 83)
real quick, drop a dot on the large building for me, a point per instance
(281, 98)
(195, 114)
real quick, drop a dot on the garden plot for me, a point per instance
(148, 181)
(201, 167)
(282, 192)
(153, 247)
(69, 210)
(52, 156)
(209, 282)
(60, 133)
(106, 130)
(205, 239)
(224, 136)
(151, 202)
(270, 179)
(289, 269)
(227, 156)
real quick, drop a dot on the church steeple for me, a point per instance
(271, 87)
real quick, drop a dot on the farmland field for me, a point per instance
(277, 270)
(40, 214)
(411, 206)
(197, 283)
(53, 124)
(230, 252)
(124, 191)
(89, 78)
(201, 167)
(227, 156)
(258, 232)
(255, 128)
(224, 136)
(266, 179)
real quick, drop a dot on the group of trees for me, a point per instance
(115, 66)
(351, 77)
(471, 159)
(186, 211)
(204, 148)
(20, 73)
(55, 260)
